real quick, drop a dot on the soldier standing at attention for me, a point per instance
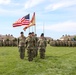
(21, 45)
(35, 49)
(36, 45)
(42, 46)
(29, 45)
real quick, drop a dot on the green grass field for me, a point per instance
(58, 61)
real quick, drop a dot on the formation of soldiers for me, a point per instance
(32, 44)
(64, 43)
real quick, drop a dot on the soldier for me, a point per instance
(21, 45)
(42, 46)
(29, 45)
(0, 43)
(36, 45)
(35, 48)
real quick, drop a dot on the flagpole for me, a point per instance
(43, 28)
(29, 29)
(32, 28)
(35, 22)
(35, 28)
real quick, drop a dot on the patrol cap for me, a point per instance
(42, 34)
(35, 34)
(21, 33)
(30, 33)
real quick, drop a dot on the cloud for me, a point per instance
(60, 4)
(5, 2)
(11, 8)
(32, 3)
(14, 12)
(68, 26)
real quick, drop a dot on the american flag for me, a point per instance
(32, 22)
(22, 21)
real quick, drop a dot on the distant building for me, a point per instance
(5, 37)
(67, 37)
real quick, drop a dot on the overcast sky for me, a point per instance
(57, 17)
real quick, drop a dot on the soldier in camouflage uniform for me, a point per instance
(21, 45)
(0, 42)
(36, 45)
(42, 46)
(35, 49)
(30, 46)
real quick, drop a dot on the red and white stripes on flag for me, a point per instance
(22, 21)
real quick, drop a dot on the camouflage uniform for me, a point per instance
(29, 45)
(36, 46)
(42, 46)
(21, 46)
(0, 42)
